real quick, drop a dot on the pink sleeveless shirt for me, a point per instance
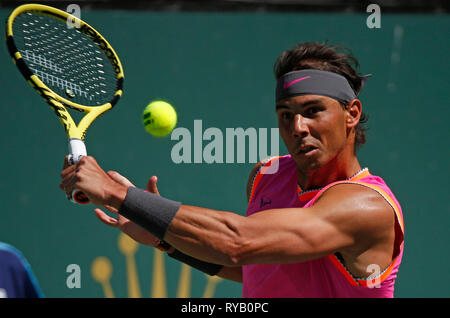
(323, 277)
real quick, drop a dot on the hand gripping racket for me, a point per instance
(70, 67)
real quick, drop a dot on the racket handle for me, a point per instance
(77, 149)
(78, 196)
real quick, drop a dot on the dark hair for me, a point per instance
(325, 57)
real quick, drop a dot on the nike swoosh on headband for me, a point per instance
(286, 85)
(320, 82)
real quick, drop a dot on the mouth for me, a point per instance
(306, 150)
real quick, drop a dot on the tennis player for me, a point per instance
(321, 226)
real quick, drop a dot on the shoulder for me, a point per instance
(271, 167)
(10, 253)
(17, 269)
(252, 176)
(358, 209)
(12, 259)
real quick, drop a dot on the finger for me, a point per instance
(120, 179)
(69, 174)
(105, 218)
(68, 171)
(68, 179)
(151, 185)
(68, 183)
(66, 162)
(111, 209)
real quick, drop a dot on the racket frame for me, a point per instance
(75, 133)
(58, 103)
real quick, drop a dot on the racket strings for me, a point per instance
(66, 60)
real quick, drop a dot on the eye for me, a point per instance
(286, 116)
(312, 110)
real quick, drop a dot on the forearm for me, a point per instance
(221, 237)
(205, 234)
(226, 272)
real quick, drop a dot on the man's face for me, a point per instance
(313, 128)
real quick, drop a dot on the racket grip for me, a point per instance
(77, 149)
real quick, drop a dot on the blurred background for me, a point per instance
(213, 61)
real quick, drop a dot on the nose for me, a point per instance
(300, 128)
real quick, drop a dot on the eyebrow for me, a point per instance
(308, 103)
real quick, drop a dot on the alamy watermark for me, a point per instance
(374, 280)
(234, 145)
(74, 278)
(374, 19)
(73, 21)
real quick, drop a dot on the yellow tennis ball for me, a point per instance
(159, 118)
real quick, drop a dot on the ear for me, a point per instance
(353, 113)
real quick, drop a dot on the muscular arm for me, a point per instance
(346, 218)
(338, 221)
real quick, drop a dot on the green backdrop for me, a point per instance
(217, 67)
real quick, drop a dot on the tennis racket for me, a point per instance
(70, 67)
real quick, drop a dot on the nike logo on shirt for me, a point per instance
(264, 201)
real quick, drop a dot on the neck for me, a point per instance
(341, 167)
